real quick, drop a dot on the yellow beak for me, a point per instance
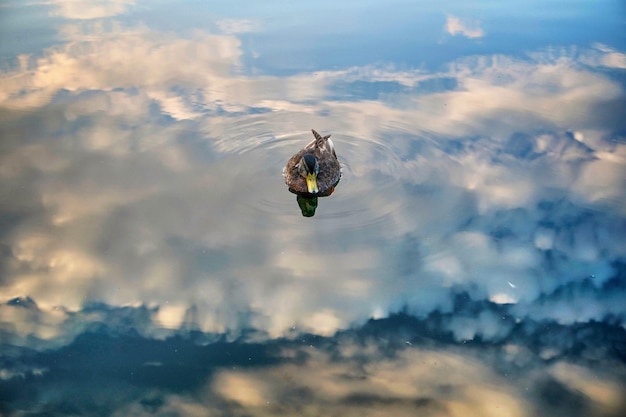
(311, 183)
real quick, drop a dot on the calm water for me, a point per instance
(471, 262)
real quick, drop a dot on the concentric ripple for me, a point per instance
(367, 195)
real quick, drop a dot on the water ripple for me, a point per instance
(367, 195)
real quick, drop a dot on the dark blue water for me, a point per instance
(471, 261)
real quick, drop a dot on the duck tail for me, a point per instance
(319, 140)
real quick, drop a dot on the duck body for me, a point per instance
(314, 170)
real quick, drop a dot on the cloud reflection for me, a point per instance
(153, 263)
(86, 9)
(365, 372)
(423, 381)
(127, 190)
(469, 29)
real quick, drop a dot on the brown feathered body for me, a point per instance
(329, 169)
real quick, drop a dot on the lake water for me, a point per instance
(470, 262)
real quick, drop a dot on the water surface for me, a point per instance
(472, 260)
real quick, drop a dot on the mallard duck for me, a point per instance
(315, 170)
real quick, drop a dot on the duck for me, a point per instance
(314, 171)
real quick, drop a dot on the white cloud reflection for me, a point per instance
(424, 381)
(90, 9)
(465, 27)
(132, 189)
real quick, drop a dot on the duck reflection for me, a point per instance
(313, 172)
(308, 205)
